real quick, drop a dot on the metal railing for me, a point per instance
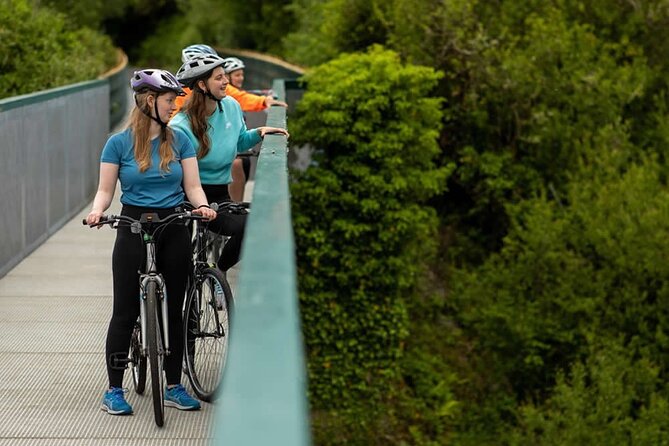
(50, 148)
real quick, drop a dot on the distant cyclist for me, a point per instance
(157, 168)
(249, 102)
(214, 123)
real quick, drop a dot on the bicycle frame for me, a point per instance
(151, 274)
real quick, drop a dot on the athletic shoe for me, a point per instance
(179, 398)
(114, 402)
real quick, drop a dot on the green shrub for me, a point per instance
(41, 50)
(363, 234)
(611, 398)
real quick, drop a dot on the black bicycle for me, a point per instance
(207, 311)
(150, 337)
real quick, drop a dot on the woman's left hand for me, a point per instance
(206, 212)
(272, 131)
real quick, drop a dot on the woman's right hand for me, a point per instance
(94, 217)
(206, 212)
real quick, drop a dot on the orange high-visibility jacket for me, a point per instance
(248, 101)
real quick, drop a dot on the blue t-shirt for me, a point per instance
(152, 188)
(228, 135)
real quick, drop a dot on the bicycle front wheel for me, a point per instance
(207, 331)
(156, 352)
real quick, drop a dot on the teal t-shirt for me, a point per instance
(152, 188)
(228, 135)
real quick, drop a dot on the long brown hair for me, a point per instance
(196, 110)
(140, 124)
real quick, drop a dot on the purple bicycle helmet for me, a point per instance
(156, 80)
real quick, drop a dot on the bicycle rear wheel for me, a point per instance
(137, 360)
(207, 331)
(156, 352)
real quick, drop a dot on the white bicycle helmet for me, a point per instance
(196, 50)
(197, 67)
(232, 64)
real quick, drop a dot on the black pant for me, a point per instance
(231, 225)
(128, 258)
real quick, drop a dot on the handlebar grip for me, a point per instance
(103, 219)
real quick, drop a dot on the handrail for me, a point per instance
(263, 400)
(118, 79)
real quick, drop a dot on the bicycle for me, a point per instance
(214, 241)
(207, 311)
(150, 338)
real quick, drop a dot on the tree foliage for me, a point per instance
(41, 49)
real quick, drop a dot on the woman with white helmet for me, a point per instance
(157, 169)
(250, 102)
(215, 125)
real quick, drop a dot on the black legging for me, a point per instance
(231, 225)
(173, 260)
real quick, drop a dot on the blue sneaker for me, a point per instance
(179, 398)
(114, 402)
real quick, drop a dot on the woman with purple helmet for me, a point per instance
(158, 170)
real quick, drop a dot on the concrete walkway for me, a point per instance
(54, 311)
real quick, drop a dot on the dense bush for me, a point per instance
(41, 49)
(362, 234)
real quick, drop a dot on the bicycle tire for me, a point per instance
(155, 350)
(137, 360)
(207, 332)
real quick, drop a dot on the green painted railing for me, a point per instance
(263, 400)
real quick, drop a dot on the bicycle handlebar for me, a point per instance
(231, 207)
(147, 218)
(249, 153)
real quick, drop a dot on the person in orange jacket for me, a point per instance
(234, 69)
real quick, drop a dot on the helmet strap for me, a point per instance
(155, 107)
(210, 96)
